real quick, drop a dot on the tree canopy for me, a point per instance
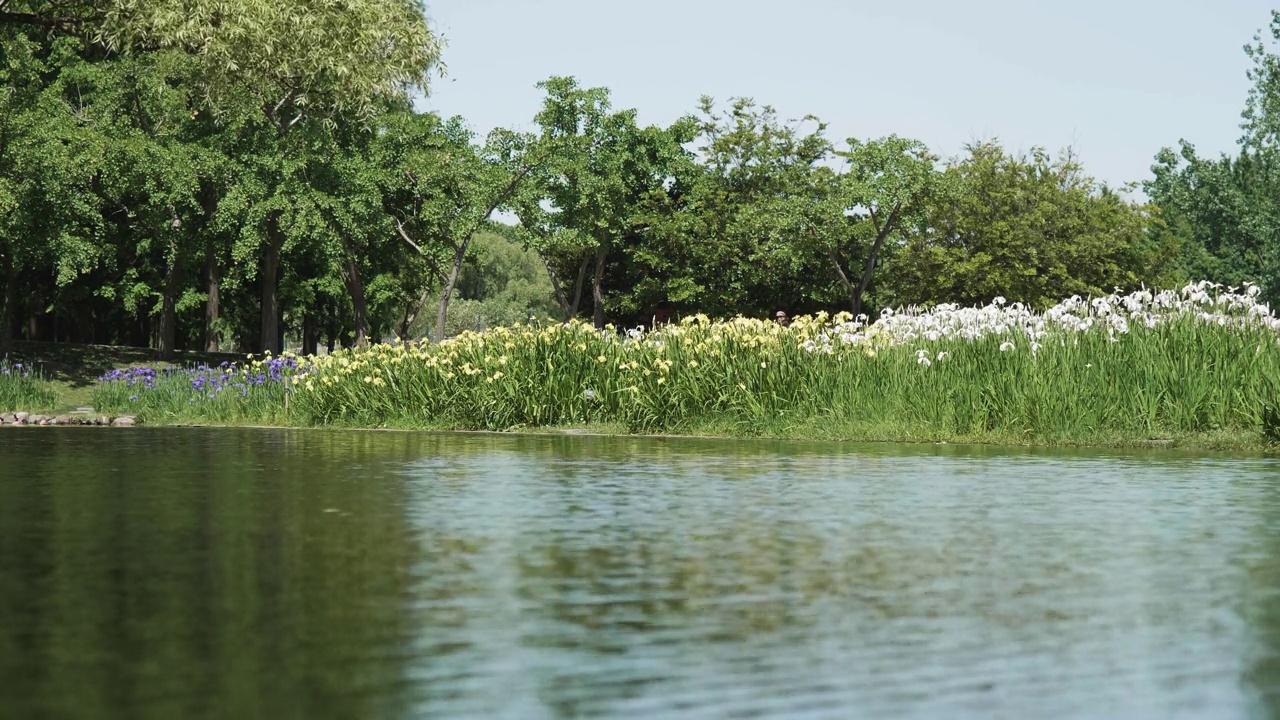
(243, 174)
(1224, 213)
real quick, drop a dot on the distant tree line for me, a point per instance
(229, 174)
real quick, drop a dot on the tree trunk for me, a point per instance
(442, 311)
(577, 287)
(168, 330)
(597, 287)
(855, 302)
(402, 328)
(10, 304)
(211, 308)
(555, 285)
(882, 234)
(355, 288)
(411, 314)
(856, 294)
(333, 326)
(270, 336)
(209, 209)
(310, 339)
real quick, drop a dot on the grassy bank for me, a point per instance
(23, 386)
(1190, 369)
(64, 375)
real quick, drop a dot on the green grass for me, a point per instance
(172, 397)
(23, 387)
(1183, 384)
(1179, 379)
(70, 371)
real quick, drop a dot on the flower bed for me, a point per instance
(1191, 361)
(23, 388)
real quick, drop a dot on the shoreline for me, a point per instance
(1241, 442)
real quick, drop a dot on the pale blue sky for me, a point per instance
(1117, 79)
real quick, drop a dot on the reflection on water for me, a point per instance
(234, 573)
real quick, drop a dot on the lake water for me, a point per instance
(171, 573)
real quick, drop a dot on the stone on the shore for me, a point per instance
(21, 418)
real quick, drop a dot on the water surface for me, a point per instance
(162, 573)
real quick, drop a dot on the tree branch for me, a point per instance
(844, 279)
(431, 263)
(881, 236)
(405, 236)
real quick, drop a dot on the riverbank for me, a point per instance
(830, 430)
(1189, 369)
(1238, 441)
(84, 417)
(70, 371)
(1220, 441)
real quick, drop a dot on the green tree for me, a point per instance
(605, 168)
(844, 217)
(1218, 210)
(1028, 228)
(154, 170)
(46, 151)
(440, 188)
(294, 58)
(298, 66)
(1225, 211)
(275, 75)
(726, 237)
(20, 87)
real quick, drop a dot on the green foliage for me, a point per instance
(293, 57)
(1271, 423)
(1262, 111)
(501, 284)
(726, 241)
(1182, 376)
(214, 147)
(1031, 229)
(249, 173)
(1224, 213)
(603, 174)
(439, 189)
(848, 216)
(500, 270)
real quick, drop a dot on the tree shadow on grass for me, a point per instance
(80, 366)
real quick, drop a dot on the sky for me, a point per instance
(1117, 80)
